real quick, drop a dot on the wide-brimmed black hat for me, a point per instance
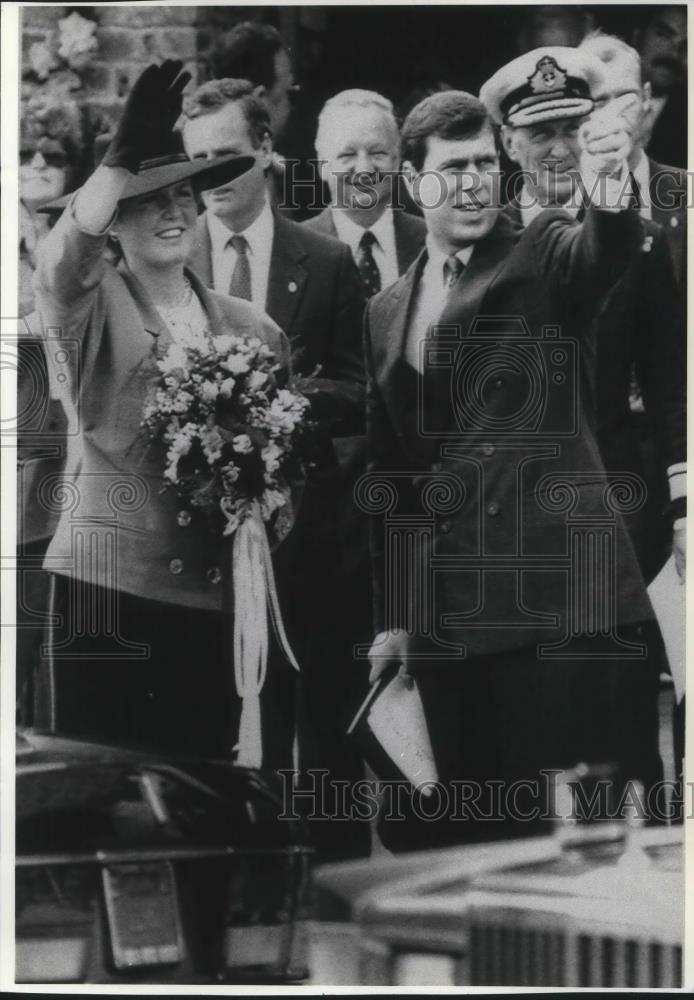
(172, 167)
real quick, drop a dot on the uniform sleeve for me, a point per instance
(581, 262)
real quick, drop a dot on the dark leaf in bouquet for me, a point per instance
(194, 463)
(259, 439)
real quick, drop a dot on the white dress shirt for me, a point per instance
(384, 250)
(642, 175)
(430, 299)
(259, 236)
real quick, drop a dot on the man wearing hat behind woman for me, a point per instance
(139, 651)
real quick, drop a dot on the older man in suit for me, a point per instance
(494, 480)
(308, 284)
(358, 146)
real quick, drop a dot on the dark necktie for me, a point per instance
(452, 269)
(368, 269)
(241, 278)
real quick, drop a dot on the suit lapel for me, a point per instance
(394, 323)
(200, 259)
(326, 224)
(209, 304)
(287, 277)
(139, 346)
(409, 239)
(464, 304)
(661, 187)
(489, 256)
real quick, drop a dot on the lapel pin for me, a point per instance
(292, 286)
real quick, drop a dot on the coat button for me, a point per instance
(214, 575)
(445, 527)
(436, 466)
(488, 450)
(674, 223)
(176, 566)
(498, 383)
(183, 518)
(493, 508)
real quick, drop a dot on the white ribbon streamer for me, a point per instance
(255, 597)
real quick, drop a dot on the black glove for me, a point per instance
(151, 111)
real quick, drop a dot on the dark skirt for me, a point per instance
(135, 672)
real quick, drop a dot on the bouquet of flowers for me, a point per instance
(233, 435)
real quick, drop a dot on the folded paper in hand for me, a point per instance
(667, 597)
(393, 716)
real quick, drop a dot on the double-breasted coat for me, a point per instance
(498, 429)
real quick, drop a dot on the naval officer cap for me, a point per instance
(548, 83)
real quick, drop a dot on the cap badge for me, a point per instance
(548, 76)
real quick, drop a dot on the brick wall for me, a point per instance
(129, 38)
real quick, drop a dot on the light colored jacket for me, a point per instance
(103, 334)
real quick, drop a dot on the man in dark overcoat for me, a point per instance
(505, 578)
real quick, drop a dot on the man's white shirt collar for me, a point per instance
(642, 175)
(436, 258)
(384, 249)
(257, 235)
(430, 299)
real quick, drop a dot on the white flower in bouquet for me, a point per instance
(212, 442)
(230, 474)
(256, 380)
(181, 401)
(237, 364)
(226, 388)
(78, 43)
(285, 412)
(175, 359)
(270, 502)
(209, 391)
(272, 457)
(203, 407)
(242, 444)
(223, 343)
